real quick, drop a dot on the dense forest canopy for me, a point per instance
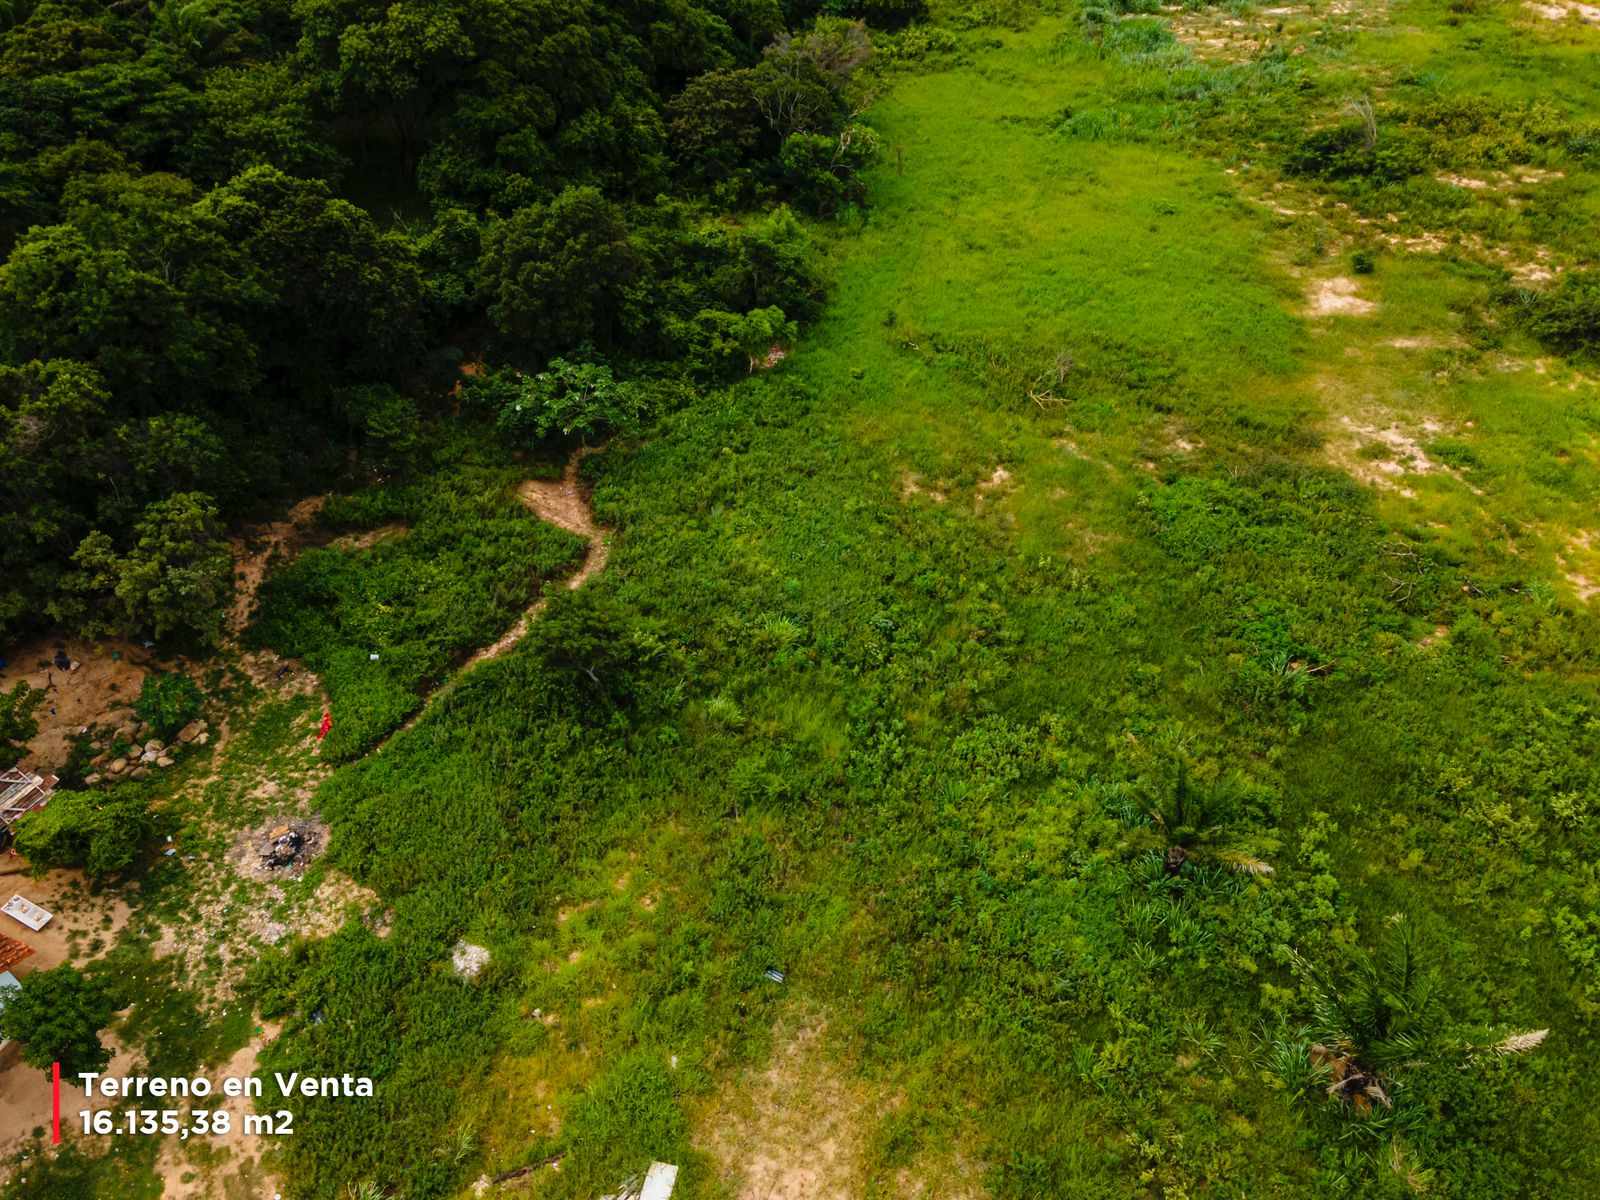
(243, 238)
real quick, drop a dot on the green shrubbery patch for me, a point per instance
(382, 625)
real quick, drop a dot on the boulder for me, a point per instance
(164, 760)
(202, 739)
(155, 744)
(139, 773)
(191, 731)
(91, 780)
(149, 756)
(117, 766)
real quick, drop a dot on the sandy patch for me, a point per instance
(796, 1130)
(369, 538)
(228, 1164)
(1382, 456)
(100, 691)
(563, 502)
(1337, 297)
(998, 478)
(912, 485)
(1582, 564)
(25, 1098)
(1589, 14)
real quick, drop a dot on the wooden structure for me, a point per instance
(12, 952)
(20, 793)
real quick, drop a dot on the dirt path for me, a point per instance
(562, 502)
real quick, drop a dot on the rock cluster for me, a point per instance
(129, 751)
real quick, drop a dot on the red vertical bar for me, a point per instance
(55, 1104)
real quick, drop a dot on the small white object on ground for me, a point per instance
(26, 911)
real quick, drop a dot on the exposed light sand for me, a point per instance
(1338, 297)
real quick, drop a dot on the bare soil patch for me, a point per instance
(98, 690)
(369, 538)
(1337, 297)
(912, 485)
(1582, 564)
(796, 1130)
(1561, 10)
(223, 1164)
(563, 502)
(1381, 455)
(255, 551)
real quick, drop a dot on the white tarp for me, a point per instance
(659, 1181)
(26, 911)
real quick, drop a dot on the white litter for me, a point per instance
(30, 914)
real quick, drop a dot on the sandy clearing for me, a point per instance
(256, 550)
(100, 691)
(564, 503)
(1561, 10)
(796, 1130)
(1337, 297)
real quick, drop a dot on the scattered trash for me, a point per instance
(168, 853)
(372, 657)
(289, 847)
(774, 974)
(327, 724)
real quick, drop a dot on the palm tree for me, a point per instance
(1386, 1017)
(1192, 822)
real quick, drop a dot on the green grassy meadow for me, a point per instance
(904, 640)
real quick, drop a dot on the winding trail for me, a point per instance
(563, 502)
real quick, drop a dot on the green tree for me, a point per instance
(719, 343)
(168, 700)
(57, 1015)
(578, 397)
(553, 273)
(177, 575)
(100, 831)
(17, 722)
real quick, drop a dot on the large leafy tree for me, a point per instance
(176, 576)
(57, 1015)
(554, 274)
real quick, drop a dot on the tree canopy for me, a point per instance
(243, 240)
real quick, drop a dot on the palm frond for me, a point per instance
(1245, 864)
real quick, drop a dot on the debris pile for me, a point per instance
(290, 847)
